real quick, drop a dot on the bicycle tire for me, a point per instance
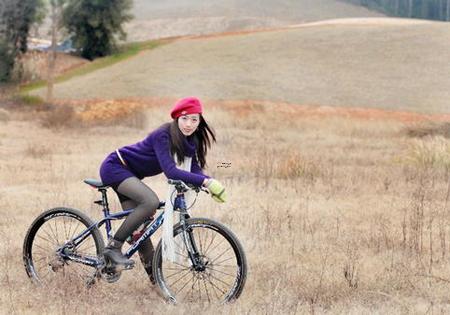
(48, 223)
(222, 294)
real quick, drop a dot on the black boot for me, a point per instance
(113, 255)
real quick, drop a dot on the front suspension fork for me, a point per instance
(191, 246)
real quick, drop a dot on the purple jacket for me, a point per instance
(150, 157)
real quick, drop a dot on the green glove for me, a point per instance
(217, 191)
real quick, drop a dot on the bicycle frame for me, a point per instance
(179, 205)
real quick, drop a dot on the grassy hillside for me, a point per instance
(155, 19)
(371, 63)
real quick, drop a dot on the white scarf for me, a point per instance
(168, 244)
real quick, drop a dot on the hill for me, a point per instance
(156, 19)
(379, 63)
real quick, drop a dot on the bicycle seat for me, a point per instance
(95, 183)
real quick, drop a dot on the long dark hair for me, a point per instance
(203, 138)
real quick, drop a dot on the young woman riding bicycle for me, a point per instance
(186, 136)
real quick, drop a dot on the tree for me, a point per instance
(16, 19)
(56, 7)
(94, 25)
(448, 10)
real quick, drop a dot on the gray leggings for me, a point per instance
(145, 202)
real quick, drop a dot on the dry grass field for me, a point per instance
(379, 63)
(336, 214)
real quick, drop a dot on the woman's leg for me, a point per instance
(146, 250)
(147, 203)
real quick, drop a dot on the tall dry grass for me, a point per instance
(336, 215)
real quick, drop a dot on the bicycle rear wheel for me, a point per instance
(48, 232)
(225, 266)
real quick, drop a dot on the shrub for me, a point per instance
(58, 116)
(429, 129)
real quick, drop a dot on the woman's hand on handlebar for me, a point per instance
(216, 189)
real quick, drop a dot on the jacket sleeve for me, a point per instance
(168, 166)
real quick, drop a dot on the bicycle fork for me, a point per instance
(189, 241)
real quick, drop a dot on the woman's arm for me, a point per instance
(168, 166)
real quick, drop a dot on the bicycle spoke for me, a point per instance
(40, 247)
(171, 284)
(227, 266)
(210, 243)
(51, 229)
(39, 260)
(227, 284)
(223, 239)
(75, 230)
(212, 261)
(65, 229)
(207, 293)
(176, 273)
(216, 287)
(44, 239)
(56, 227)
(224, 260)
(173, 268)
(191, 292)
(185, 285)
(43, 246)
(200, 241)
(228, 274)
(50, 236)
(199, 290)
(175, 263)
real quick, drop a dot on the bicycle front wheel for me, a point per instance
(223, 276)
(51, 230)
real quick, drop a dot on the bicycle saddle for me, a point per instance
(95, 183)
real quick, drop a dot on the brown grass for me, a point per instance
(337, 215)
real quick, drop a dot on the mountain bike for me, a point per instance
(64, 245)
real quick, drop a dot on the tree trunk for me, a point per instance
(52, 54)
(448, 10)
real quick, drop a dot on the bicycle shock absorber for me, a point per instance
(191, 246)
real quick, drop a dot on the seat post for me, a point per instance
(104, 201)
(105, 209)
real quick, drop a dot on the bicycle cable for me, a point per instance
(187, 208)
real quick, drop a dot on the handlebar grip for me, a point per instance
(188, 185)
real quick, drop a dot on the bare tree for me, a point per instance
(448, 10)
(56, 15)
(410, 8)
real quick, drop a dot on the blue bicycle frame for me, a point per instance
(65, 252)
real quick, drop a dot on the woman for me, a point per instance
(188, 135)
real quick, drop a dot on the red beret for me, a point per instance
(186, 106)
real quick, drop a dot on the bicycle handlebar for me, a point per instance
(180, 185)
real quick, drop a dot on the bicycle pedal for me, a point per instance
(119, 268)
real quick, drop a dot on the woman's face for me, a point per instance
(188, 123)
